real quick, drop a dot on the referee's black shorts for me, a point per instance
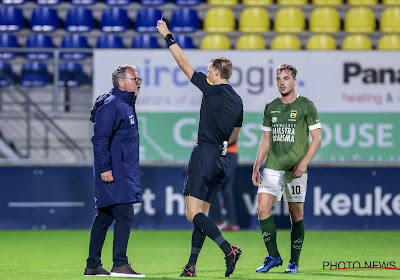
(206, 172)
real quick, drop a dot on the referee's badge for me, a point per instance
(293, 114)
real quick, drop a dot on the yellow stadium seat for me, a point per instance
(219, 20)
(292, 2)
(254, 20)
(391, 2)
(362, 2)
(286, 42)
(250, 42)
(222, 2)
(259, 3)
(324, 20)
(321, 42)
(215, 42)
(390, 20)
(327, 2)
(289, 20)
(360, 20)
(389, 43)
(356, 42)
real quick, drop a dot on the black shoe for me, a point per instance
(189, 272)
(100, 271)
(231, 260)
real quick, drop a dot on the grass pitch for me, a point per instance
(162, 254)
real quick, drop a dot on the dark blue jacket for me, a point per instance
(116, 147)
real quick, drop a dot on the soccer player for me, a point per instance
(221, 117)
(288, 121)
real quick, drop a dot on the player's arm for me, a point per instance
(299, 169)
(176, 51)
(234, 135)
(262, 152)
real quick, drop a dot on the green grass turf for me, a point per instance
(162, 254)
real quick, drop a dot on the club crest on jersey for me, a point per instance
(132, 119)
(293, 114)
(274, 119)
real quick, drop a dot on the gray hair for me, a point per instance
(119, 73)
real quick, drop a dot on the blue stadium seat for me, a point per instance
(144, 41)
(73, 41)
(188, 2)
(11, 19)
(71, 75)
(13, 2)
(152, 2)
(48, 2)
(44, 19)
(109, 41)
(146, 19)
(118, 2)
(79, 20)
(114, 20)
(34, 74)
(185, 42)
(39, 41)
(8, 41)
(83, 2)
(6, 74)
(185, 20)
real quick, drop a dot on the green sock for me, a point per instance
(297, 237)
(268, 230)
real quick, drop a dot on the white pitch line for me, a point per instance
(46, 204)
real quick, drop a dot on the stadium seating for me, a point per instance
(184, 20)
(389, 42)
(292, 2)
(221, 3)
(71, 75)
(118, 2)
(44, 19)
(219, 20)
(48, 2)
(185, 42)
(254, 20)
(6, 74)
(215, 42)
(109, 41)
(250, 42)
(324, 20)
(73, 41)
(34, 74)
(391, 2)
(327, 2)
(114, 20)
(390, 20)
(321, 42)
(152, 2)
(11, 19)
(8, 41)
(296, 24)
(83, 2)
(144, 41)
(13, 2)
(360, 20)
(146, 19)
(362, 2)
(188, 2)
(356, 42)
(257, 3)
(79, 19)
(286, 42)
(39, 41)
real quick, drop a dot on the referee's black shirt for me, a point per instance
(221, 110)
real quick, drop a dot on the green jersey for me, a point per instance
(289, 125)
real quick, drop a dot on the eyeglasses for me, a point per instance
(137, 80)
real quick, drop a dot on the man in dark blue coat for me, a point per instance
(116, 171)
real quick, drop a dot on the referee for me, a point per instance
(221, 117)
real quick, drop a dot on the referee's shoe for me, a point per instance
(231, 260)
(189, 272)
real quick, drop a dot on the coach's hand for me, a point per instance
(256, 176)
(162, 27)
(107, 176)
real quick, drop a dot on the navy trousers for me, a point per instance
(123, 216)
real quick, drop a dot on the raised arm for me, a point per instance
(176, 51)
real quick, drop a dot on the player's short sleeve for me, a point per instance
(200, 80)
(267, 120)
(312, 119)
